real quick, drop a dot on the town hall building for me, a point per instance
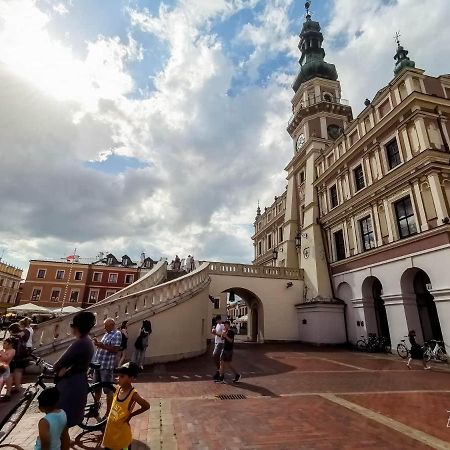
(366, 210)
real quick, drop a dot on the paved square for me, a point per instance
(296, 397)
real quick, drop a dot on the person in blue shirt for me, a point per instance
(53, 431)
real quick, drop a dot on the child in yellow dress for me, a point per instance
(118, 431)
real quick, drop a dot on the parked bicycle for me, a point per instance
(434, 350)
(373, 344)
(402, 350)
(95, 411)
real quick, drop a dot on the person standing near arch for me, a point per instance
(217, 331)
(416, 351)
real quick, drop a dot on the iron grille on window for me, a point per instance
(393, 154)
(406, 221)
(367, 235)
(359, 178)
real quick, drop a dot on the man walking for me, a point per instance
(227, 354)
(217, 331)
(105, 355)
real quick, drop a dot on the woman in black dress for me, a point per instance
(416, 351)
(72, 367)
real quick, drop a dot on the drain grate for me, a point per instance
(231, 396)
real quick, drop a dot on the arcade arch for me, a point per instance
(424, 317)
(255, 321)
(374, 307)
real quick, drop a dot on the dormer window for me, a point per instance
(110, 261)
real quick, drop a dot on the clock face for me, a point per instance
(300, 141)
(334, 131)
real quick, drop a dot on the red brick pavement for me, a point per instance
(283, 408)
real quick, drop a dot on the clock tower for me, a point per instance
(319, 117)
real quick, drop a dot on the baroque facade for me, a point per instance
(366, 209)
(10, 278)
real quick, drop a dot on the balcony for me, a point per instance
(324, 102)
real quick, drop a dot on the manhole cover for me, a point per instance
(231, 396)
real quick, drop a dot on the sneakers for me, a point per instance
(216, 376)
(237, 378)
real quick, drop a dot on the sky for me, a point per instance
(156, 126)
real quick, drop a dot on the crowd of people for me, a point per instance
(64, 405)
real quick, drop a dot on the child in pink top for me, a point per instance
(6, 355)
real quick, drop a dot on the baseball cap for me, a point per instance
(129, 369)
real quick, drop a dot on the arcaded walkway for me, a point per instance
(291, 397)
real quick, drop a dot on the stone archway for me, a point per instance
(415, 284)
(255, 321)
(374, 308)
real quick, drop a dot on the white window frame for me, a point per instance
(40, 293)
(56, 274)
(384, 157)
(93, 277)
(360, 216)
(352, 177)
(334, 230)
(109, 277)
(37, 274)
(110, 292)
(75, 274)
(55, 299)
(132, 278)
(97, 291)
(70, 296)
(330, 206)
(391, 201)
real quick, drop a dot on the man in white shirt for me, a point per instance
(217, 331)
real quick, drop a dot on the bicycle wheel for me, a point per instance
(402, 351)
(361, 345)
(95, 412)
(427, 353)
(13, 418)
(441, 355)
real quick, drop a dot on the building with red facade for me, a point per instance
(54, 283)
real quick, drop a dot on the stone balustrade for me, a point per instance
(243, 270)
(154, 277)
(133, 307)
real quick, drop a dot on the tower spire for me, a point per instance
(402, 61)
(312, 61)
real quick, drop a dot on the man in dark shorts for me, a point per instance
(227, 354)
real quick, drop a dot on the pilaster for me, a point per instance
(438, 197)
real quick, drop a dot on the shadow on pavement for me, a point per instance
(16, 447)
(252, 360)
(257, 389)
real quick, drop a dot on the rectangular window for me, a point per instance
(280, 234)
(93, 295)
(367, 235)
(333, 196)
(302, 177)
(78, 276)
(41, 273)
(97, 277)
(9, 298)
(60, 274)
(112, 278)
(393, 154)
(359, 178)
(129, 278)
(36, 295)
(339, 245)
(406, 221)
(109, 292)
(269, 241)
(259, 248)
(1, 281)
(74, 296)
(55, 295)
